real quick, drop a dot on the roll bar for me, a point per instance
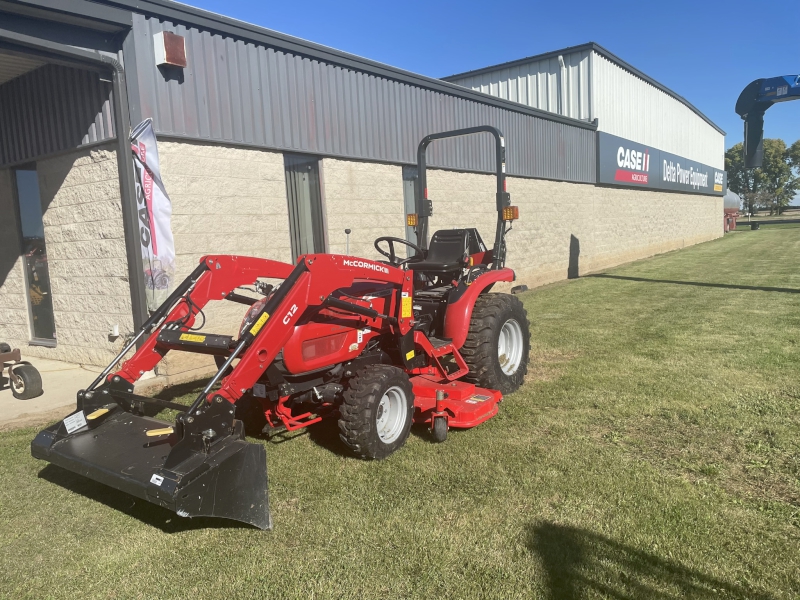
(424, 206)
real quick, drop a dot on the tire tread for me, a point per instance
(479, 349)
(364, 391)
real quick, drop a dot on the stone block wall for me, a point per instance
(366, 198)
(85, 243)
(566, 227)
(224, 201)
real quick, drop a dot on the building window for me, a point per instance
(306, 216)
(34, 252)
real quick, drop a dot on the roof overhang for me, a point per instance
(81, 13)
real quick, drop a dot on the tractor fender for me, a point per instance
(459, 312)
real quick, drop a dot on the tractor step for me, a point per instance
(451, 364)
(465, 404)
(439, 343)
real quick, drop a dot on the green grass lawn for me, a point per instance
(653, 453)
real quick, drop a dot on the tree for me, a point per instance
(779, 181)
(794, 155)
(771, 186)
(744, 182)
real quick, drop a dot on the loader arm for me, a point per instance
(223, 275)
(307, 286)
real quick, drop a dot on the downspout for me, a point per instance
(127, 187)
(127, 181)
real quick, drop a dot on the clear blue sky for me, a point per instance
(705, 50)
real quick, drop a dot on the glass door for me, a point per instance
(306, 227)
(34, 252)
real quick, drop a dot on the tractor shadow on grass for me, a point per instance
(580, 564)
(727, 286)
(326, 435)
(141, 510)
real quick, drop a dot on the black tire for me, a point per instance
(480, 350)
(27, 384)
(4, 348)
(361, 410)
(439, 430)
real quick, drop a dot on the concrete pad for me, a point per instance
(60, 382)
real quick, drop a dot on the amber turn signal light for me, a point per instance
(411, 219)
(511, 213)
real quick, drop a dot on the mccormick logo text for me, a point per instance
(366, 265)
(634, 166)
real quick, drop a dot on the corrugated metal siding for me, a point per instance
(52, 109)
(541, 84)
(239, 92)
(631, 108)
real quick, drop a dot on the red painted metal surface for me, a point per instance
(465, 405)
(729, 219)
(313, 335)
(456, 320)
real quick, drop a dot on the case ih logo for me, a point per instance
(719, 180)
(633, 166)
(625, 163)
(366, 265)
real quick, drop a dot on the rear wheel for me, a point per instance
(375, 417)
(26, 382)
(498, 343)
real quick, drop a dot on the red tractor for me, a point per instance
(377, 345)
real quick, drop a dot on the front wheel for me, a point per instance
(498, 343)
(376, 415)
(26, 382)
(439, 429)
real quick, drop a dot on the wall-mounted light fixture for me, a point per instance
(170, 49)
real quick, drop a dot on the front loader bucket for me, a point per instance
(189, 472)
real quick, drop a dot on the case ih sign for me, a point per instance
(625, 163)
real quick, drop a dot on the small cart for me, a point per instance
(25, 380)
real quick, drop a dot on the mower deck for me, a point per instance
(464, 405)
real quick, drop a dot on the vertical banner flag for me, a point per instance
(155, 212)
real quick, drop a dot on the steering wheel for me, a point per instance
(393, 259)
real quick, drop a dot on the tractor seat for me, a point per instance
(447, 252)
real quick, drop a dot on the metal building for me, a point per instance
(588, 82)
(272, 146)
